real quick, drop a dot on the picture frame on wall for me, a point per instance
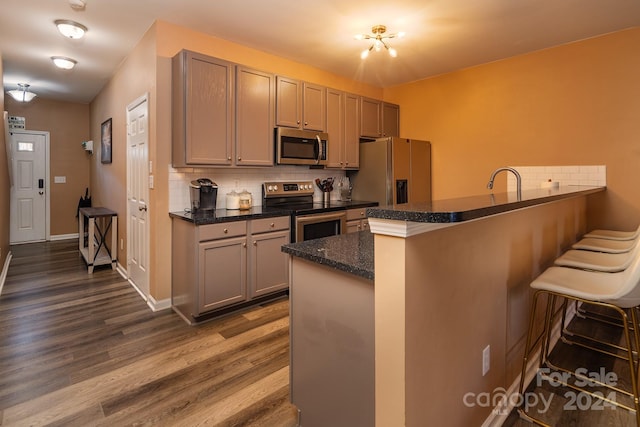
(105, 141)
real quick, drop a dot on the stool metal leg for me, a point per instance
(630, 327)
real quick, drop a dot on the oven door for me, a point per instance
(315, 226)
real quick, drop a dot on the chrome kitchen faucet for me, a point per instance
(507, 169)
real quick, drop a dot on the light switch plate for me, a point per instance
(59, 179)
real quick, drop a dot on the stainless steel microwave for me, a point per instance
(301, 147)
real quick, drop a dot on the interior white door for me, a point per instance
(138, 194)
(29, 191)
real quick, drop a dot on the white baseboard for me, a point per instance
(5, 270)
(499, 414)
(63, 237)
(153, 304)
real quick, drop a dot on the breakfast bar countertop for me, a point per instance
(354, 253)
(474, 207)
(351, 253)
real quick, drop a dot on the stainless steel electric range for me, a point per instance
(309, 219)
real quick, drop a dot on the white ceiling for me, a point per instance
(442, 35)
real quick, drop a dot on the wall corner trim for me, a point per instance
(5, 270)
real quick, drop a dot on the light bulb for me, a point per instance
(63, 62)
(401, 34)
(364, 54)
(393, 52)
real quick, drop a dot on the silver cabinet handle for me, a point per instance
(142, 208)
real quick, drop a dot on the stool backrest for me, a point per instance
(629, 293)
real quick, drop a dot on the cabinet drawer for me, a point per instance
(353, 214)
(269, 224)
(223, 230)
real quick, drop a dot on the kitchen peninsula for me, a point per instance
(446, 280)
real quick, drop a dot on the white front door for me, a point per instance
(28, 204)
(138, 194)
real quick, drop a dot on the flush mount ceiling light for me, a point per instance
(77, 4)
(378, 38)
(64, 62)
(22, 94)
(70, 29)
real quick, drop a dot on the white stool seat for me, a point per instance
(598, 261)
(613, 234)
(598, 286)
(604, 245)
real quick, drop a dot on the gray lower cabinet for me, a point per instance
(357, 220)
(216, 266)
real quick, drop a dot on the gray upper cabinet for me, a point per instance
(390, 119)
(255, 101)
(202, 110)
(314, 105)
(300, 105)
(370, 117)
(379, 118)
(343, 127)
(288, 102)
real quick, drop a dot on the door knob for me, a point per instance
(40, 193)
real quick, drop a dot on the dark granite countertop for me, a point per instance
(256, 212)
(351, 253)
(228, 215)
(468, 208)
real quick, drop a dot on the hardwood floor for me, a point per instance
(85, 350)
(567, 407)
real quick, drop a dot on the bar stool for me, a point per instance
(605, 245)
(613, 234)
(619, 292)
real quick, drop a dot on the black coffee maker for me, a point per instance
(203, 195)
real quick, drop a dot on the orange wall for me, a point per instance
(4, 186)
(577, 104)
(68, 125)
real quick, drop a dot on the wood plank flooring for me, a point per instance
(85, 350)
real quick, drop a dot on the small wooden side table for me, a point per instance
(95, 250)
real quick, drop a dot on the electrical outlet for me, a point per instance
(486, 360)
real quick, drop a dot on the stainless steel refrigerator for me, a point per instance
(393, 171)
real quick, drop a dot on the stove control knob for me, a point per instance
(275, 188)
(270, 188)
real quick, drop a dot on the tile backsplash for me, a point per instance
(534, 176)
(238, 179)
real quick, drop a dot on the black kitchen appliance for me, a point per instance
(309, 219)
(203, 193)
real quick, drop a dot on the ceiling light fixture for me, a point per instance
(22, 94)
(70, 29)
(64, 62)
(78, 4)
(378, 40)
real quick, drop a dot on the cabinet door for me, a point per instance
(255, 103)
(203, 110)
(222, 273)
(269, 265)
(288, 102)
(370, 116)
(335, 128)
(390, 119)
(353, 226)
(314, 107)
(351, 131)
